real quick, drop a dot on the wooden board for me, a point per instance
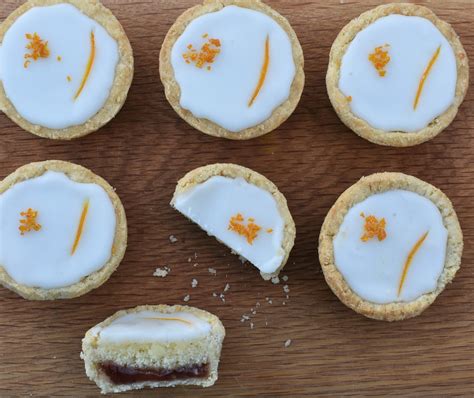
(312, 158)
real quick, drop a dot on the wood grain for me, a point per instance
(312, 158)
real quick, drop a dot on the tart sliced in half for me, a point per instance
(154, 346)
(390, 245)
(63, 231)
(243, 210)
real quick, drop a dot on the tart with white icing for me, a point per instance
(232, 68)
(65, 67)
(390, 245)
(63, 231)
(397, 75)
(242, 209)
(154, 346)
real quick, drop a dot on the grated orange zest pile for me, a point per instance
(380, 59)
(29, 222)
(249, 231)
(374, 228)
(38, 48)
(205, 56)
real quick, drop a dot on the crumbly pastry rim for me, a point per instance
(82, 175)
(123, 71)
(365, 187)
(342, 106)
(89, 343)
(173, 91)
(202, 174)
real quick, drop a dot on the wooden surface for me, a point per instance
(312, 158)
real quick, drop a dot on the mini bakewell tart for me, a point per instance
(63, 231)
(243, 210)
(65, 67)
(232, 68)
(397, 75)
(390, 245)
(154, 346)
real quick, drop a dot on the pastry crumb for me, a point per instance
(162, 272)
(186, 298)
(275, 280)
(194, 283)
(286, 289)
(287, 343)
(285, 278)
(212, 271)
(173, 239)
(227, 287)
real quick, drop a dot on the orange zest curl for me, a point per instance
(80, 226)
(380, 59)
(38, 48)
(206, 55)
(424, 76)
(249, 231)
(89, 66)
(409, 260)
(263, 72)
(373, 228)
(29, 222)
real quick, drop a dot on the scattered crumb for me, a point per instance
(186, 298)
(244, 318)
(162, 272)
(194, 283)
(275, 280)
(285, 278)
(212, 271)
(214, 294)
(251, 325)
(284, 303)
(189, 259)
(173, 239)
(286, 289)
(287, 343)
(195, 264)
(269, 300)
(227, 287)
(222, 297)
(243, 260)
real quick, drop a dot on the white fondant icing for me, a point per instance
(41, 93)
(212, 204)
(141, 327)
(373, 269)
(387, 102)
(221, 95)
(43, 259)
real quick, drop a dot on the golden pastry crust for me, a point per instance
(92, 357)
(365, 187)
(78, 174)
(172, 89)
(202, 174)
(342, 106)
(123, 72)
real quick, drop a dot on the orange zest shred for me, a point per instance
(373, 228)
(28, 223)
(206, 55)
(263, 72)
(409, 260)
(89, 66)
(170, 319)
(380, 59)
(269, 230)
(249, 231)
(424, 76)
(80, 226)
(38, 48)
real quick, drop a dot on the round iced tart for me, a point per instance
(397, 75)
(154, 346)
(390, 245)
(243, 210)
(232, 68)
(65, 67)
(63, 231)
